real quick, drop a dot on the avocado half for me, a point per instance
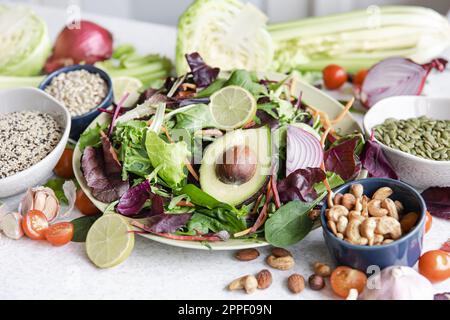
(256, 140)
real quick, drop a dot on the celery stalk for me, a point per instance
(7, 82)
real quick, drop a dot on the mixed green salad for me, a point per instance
(214, 156)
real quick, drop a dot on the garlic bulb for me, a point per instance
(42, 199)
(11, 225)
(398, 283)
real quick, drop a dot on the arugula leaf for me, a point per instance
(81, 227)
(248, 81)
(171, 158)
(91, 137)
(213, 88)
(57, 186)
(290, 224)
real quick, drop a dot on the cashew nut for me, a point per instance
(352, 233)
(357, 190)
(390, 206)
(342, 224)
(382, 193)
(409, 221)
(367, 229)
(389, 227)
(358, 205)
(378, 240)
(388, 241)
(249, 283)
(375, 209)
(338, 199)
(332, 226)
(365, 206)
(348, 201)
(399, 206)
(335, 212)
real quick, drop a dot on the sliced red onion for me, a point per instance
(395, 77)
(303, 150)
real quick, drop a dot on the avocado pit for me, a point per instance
(237, 165)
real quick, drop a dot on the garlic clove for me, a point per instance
(26, 204)
(51, 208)
(40, 198)
(11, 225)
(70, 191)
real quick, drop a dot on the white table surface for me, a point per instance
(36, 270)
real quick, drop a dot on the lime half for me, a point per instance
(232, 107)
(123, 85)
(109, 241)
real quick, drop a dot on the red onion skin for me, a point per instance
(89, 43)
(367, 96)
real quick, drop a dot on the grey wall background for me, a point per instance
(167, 11)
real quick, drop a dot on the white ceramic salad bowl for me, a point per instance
(30, 99)
(418, 172)
(310, 95)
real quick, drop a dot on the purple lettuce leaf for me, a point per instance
(299, 185)
(342, 159)
(375, 162)
(168, 223)
(203, 74)
(131, 204)
(438, 201)
(102, 176)
(442, 296)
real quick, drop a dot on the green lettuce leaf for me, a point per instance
(170, 158)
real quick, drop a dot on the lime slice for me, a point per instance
(123, 85)
(232, 107)
(109, 241)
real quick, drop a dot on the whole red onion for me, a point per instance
(88, 43)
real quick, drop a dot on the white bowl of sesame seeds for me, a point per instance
(34, 130)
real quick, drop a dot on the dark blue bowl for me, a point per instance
(403, 252)
(80, 123)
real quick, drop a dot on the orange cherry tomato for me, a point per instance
(34, 224)
(59, 234)
(85, 205)
(64, 167)
(334, 77)
(429, 222)
(343, 279)
(359, 78)
(435, 265)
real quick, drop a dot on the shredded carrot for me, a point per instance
(185, 204)
(249, 124)
(347, 108)
(276, 195)
(327, 185)
(257, 203)
(191, 170)
(325, 136)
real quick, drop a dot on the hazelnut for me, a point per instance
(280, 252)
(296, 283)
(316, 282)
(264, 278)
(237, 165)
(322, 270)
(247, 254)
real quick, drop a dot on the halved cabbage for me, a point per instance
(227, 34)
(24, 40)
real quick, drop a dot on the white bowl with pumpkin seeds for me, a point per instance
(414, 134)
(34, 130)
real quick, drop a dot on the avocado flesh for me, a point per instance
(259, 141)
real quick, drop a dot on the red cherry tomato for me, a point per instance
(429, 222)
(34, 224)
(64, 167)
(85, 205)
(59, 234)
(334, 77)
(359, 78)
(343, 279)
(435, 265)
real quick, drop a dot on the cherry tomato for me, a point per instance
(334, 77)
(343, 279)
(85, 205)
(64, 167)
(59, 234)
(34, 225)
(435, 265)
(359, 78)
(429, 222)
